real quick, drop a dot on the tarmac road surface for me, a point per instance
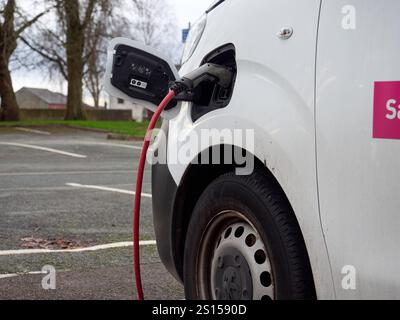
(62, 189)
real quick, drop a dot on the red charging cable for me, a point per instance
(138, 194)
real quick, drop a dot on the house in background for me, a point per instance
(33, 98)
(139, 113)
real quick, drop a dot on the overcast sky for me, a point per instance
(186, 11)
(189, 10)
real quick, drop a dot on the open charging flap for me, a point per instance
(140, 74)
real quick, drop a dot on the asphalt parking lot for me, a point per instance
(64, 189)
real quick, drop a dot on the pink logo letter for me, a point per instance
(387, 110)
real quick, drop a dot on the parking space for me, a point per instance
(66, 189)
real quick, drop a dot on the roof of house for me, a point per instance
(47, 96)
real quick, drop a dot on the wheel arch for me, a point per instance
(194, 181)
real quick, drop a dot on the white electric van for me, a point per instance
(316, 97)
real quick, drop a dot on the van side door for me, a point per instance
(358, 144)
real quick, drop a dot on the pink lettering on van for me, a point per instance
(387, 110)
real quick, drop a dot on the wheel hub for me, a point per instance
(232, 278)
(240, 266)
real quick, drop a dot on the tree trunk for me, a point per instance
(96, 99)
(75, 48)
(75, 109)
(9, 105)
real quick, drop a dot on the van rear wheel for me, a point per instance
(244, 243)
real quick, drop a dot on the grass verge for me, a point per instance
(130, 128)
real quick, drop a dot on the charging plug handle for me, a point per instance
(211, 72)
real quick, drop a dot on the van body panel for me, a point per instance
(274, 96)
(358, 174)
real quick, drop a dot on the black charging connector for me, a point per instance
(208, 72)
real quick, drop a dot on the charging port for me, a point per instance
(208, 95)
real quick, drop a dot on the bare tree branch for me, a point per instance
(88, 13)
(154, 24)
(51, 55)
(29, 23)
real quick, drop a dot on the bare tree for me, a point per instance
(95, 64)
(68, 46)
(155, 24)
(12, 26)
(98, 35)
(76, 46)
(147, 21)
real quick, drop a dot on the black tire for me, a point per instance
(261, 202)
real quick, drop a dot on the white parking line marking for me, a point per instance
(11, 174)
(74, 155)
(77, 185)
(10, 275)
(45, 189)
(13, 275)
(33, 131)
(120, 145)
(79, 250)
